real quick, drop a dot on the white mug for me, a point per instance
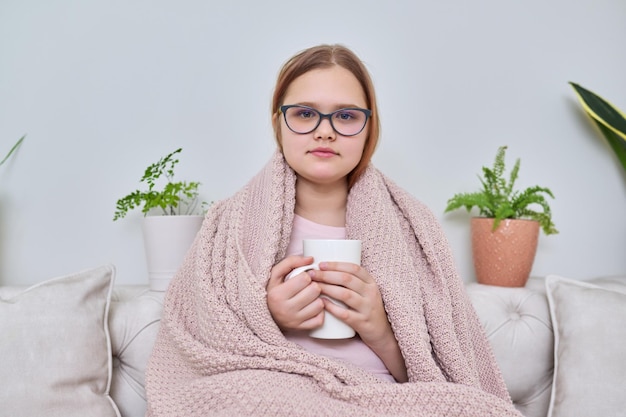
(323, 250)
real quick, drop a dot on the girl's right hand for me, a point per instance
(294, 303)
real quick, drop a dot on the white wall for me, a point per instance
(104, 88)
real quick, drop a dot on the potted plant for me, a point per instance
(609, 119)
(505, 235)
(167, 236)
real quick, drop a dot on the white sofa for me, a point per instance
(517, 321)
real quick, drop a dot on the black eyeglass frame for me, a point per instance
(329, 116)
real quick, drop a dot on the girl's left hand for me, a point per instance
(355, 287)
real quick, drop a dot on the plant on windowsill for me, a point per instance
(167, 237)
(505, 235)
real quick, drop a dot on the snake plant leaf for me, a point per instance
(17, 145)
(617, 143)
(610, 120)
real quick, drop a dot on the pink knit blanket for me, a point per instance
(219, 353)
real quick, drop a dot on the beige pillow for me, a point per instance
(590, 348)
(55, 350)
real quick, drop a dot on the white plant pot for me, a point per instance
(166, 241)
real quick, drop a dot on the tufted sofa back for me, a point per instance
(518, 325)
(516, 320)
(134, 318)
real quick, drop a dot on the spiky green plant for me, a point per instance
(172, 197)
(499, 200)
(609, 119)
(13, 149)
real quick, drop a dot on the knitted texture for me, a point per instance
(219, 352)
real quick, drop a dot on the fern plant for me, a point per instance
(499, 200)
(175, 198)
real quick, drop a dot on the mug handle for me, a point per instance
(305, 268)
(301, 269)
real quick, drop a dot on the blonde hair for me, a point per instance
(325, 56)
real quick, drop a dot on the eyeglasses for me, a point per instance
(303, 119)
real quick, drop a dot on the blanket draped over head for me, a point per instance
(220, 353)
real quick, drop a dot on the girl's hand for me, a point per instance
(295, 303)
(355, 287)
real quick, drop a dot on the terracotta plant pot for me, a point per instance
(504, 257)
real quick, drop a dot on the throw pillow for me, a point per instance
(55, 348)
(589, 348)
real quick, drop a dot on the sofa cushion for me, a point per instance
(55, 347)
(590, 354)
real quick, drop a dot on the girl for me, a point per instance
(233, 338)
(327, 153)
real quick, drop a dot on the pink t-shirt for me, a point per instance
(350, 350)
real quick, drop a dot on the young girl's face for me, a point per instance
(324, 156)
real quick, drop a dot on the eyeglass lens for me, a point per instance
(346, 122)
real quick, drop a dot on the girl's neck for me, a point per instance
(323, 204)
